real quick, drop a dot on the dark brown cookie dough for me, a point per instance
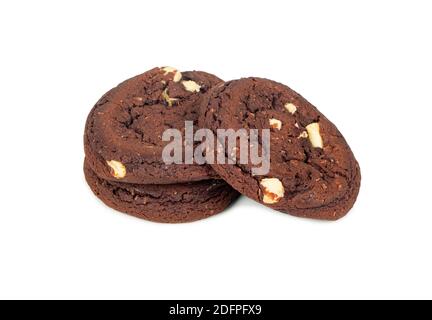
(172, 203)
(313, 172)
(123, 135)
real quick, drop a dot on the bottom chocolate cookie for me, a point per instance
(173, 203)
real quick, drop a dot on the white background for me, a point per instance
(365, 64)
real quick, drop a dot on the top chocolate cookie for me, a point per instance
(123, 134)
(312, 171)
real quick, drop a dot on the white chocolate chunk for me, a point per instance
(303, 135)
(272, 189)
(314, 135)
(167, 98)
(118, 169)
(177, 74)
(291, 108)
(275, 124)
(191, 86)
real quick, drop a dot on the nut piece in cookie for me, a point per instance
(191, 86)
(177, 74)
(275, 124)
(118, 169)
(272, 189)
(314, 135)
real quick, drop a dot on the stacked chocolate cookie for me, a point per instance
(123, 145)
(312, 171)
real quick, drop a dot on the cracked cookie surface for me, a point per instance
(123, 134)
(313, 172)
(174, 203)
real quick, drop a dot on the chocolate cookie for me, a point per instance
(123, 134)
(174, 203)
(312, 172)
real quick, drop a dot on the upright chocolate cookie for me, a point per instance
(123, 135)
(313, 172)
(176, 203)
